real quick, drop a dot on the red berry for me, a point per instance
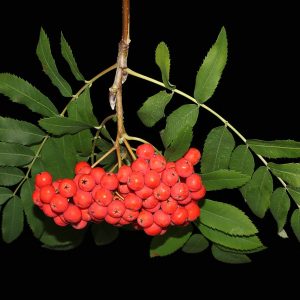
(43, 179)
(123, 189)
(145, 219)
(59, 221)
(153, 230)
(86, 182)
(140, 165)
(179, 217)
(97, 174)
(46, 208)
(152, 179)
(193, 155)
(109, 181)
(56, 184)
(130, 215)
(36, 198)
(157, 163)
(194, 182)
(184, 168)
(116, 208)
(145, 151)
(133, 202)
(169, 206)
(179, 191)
(154, 209)
(46, 193)
(123, 221)
(198, 195)
(80, 225)
(161, 218)
(123, 173)
(144, 192)
(59, 204)
(162, 192)
(150, 202)
(136, 181)
(83, 199)
(67, 188)
(169, 177)
(80, 165)
(185, 201)
(85, 215)
(193, 211)
(103, 196)
(97, 212)
(72, 214)
(112, 220)
(170, 165)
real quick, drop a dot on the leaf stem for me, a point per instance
(112, 149)
(226, 123)
(129, 149)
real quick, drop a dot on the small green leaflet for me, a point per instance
(257, 192)
(20, 91)
(44, 54)
(171, 241)
(20, 132)
(196, 244)
(224, 179)
(242, 243)
(242, 160)
(83, 142)
(81, 109)
(217, 150)
(12, 220)
(211, 69)
(34, 215)
(226, 218)
(62, 125)
(67, 53)
(295, 223)
(5, 194)
(104, 233)
(279, 206)
(229, 257)
(295, 194)
(179, 128)
(275, 149)
(289, 172)
(162, 59)
(153, 108)
(15, 154)
(226, 249)
(10, 176)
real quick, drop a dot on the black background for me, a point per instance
(258, 94)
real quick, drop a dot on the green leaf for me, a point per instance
(104, 233)
(242, 160)
(153, 108)
(279, 206)
(81, 109)
(20, 91)
(20, 132)
(179, 146)
(257, 192)
(295, 194)
(44, 54)
(34, 215)
(67, 53)
(224, 179)
(61, 238)
(275, 149)
(289, 172)
(10, 176)
(229, 257)
(5, 194)
(15, 155)
(12, 220)
(217, 150)
(162, 59)
(171, 241)
(59, 157)
(83, 142)
(295, 223)
(226, 249)
(62, 125)
(179, 124)
(243, 243)
(211, 69)
(196, 244)
(226, 218)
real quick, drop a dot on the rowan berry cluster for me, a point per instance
(151, 193)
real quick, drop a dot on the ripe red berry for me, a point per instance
(185, 201)
(169, 176)
(140, 165)
(179, 217)
(67, 188)
(145, 219)
(170, 164)
(179, 191)
(169, 206)
(85, 215)
(86, 182)
(144, 192)
(83, 199)
(123, 221)
(153, 230)
(150, 202)
(136, 181)
(116, 208)
(184, 168)
(97, 174)
(145, 151)
(123, 173)
(130, 215)
(157, 163)
(154, 209)
(193, 155)
(194, 182)
(80, 225)
(59, 204)
(162, 192)
(36, 198)
(72, 214)
(60, 221)
(79, 166)
(103, 196)
(123, 189)
(97, 212)
(43, 179)
(198, 195)
(46, 193)
(133, 202)
(112, 220)
(46, 208)
(152, 179)
(193, 211)
(109, 181)
(161, 218)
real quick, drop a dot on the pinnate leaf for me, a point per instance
(12, 220)
(224, 179)
(196, 244)
(67, 53)
(242, 160)
(5, 194)
(295, 223)
(20, 91)
(44, 54)
(162, 59)
(15, 154)
(217, 150)
(295, 194)
(171, 241)
(10, 176)
(276, 148)
(257, 192)
(211, 69)
(226, 218)
(279, 206)
(154, 107)
(104, 233)
(229, 257)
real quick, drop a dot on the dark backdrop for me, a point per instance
(258, 94)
